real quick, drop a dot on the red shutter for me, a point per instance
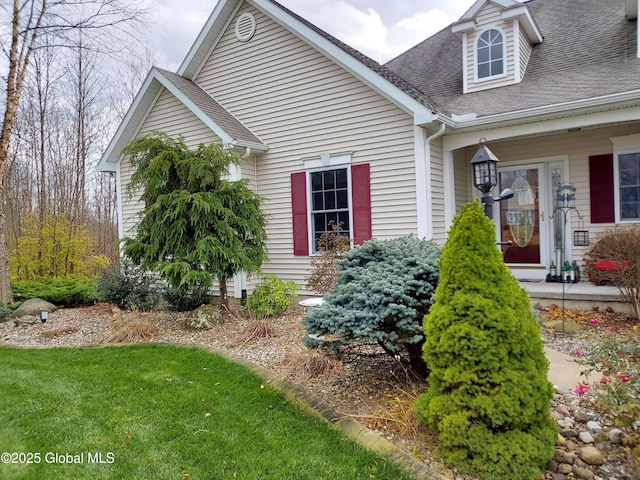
(601, 188)
(299, 209)
(361, 202)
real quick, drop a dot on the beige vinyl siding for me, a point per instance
(248, 171)
(301, 104)
(488, 17)
(525, 52)
(463, 178)
(131, 205)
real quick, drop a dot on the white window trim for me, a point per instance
(327, 161)
(504, 55)
(621, 146)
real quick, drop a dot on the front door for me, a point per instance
(521, 219)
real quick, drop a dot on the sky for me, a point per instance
(381, 29)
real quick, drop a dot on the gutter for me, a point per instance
(559, 109)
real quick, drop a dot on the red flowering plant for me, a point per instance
(617, 357)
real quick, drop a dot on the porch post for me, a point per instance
(449, 188)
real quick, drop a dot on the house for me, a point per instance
(551, 87)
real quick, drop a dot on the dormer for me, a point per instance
(497, 39)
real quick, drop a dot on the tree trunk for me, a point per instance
(6, 293)
(418, 365)
(416, 362)
(224, 295)
(19, 58)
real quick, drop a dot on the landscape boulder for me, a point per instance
(205, 317)
(32, 307)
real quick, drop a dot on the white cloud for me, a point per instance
(410, 31)
(365, 30)
(360, 29)
(176, 27)
(373, 28)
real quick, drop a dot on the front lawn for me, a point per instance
(165, 412)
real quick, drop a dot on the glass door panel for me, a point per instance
(520, 215)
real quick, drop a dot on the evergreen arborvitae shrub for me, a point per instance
(383, 290)
(488, 397)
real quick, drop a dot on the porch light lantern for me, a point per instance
(485, 168)
(485, 177)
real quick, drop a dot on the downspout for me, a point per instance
(428, 233)
(240, 279)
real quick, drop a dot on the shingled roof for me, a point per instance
(230, 124)
(589, 51)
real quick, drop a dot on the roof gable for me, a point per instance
(588, 58)
(510, 10)
(378, 77)
(477, 6)
(202, 105)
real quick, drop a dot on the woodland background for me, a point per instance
(70, 69)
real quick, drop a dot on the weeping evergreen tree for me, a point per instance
(197, 225)
(488, 397)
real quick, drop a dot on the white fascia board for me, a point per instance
(204, 118)
(463, 27)
(208, 37)
(258, 147)
(555, 118)
(403, 100)
(130, 124)
(476, 7)
(631, 9)
(527, 23)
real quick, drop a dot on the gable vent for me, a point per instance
(245, 27)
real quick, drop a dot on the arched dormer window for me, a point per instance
(490, 54)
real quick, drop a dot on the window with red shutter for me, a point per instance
(361, 202)
(601, 188)
(299, 209)
(329, 203)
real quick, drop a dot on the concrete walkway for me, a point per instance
(565, 372)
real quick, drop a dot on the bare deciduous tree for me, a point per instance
(106, 23)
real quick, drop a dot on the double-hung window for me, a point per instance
(629, 186)
(330, 192)
(330, 202)
(624, 180)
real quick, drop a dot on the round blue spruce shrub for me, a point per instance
(384, 289)
(488, 397)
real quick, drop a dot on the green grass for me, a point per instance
(163, 412)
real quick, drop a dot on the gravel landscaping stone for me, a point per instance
(355, 385)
